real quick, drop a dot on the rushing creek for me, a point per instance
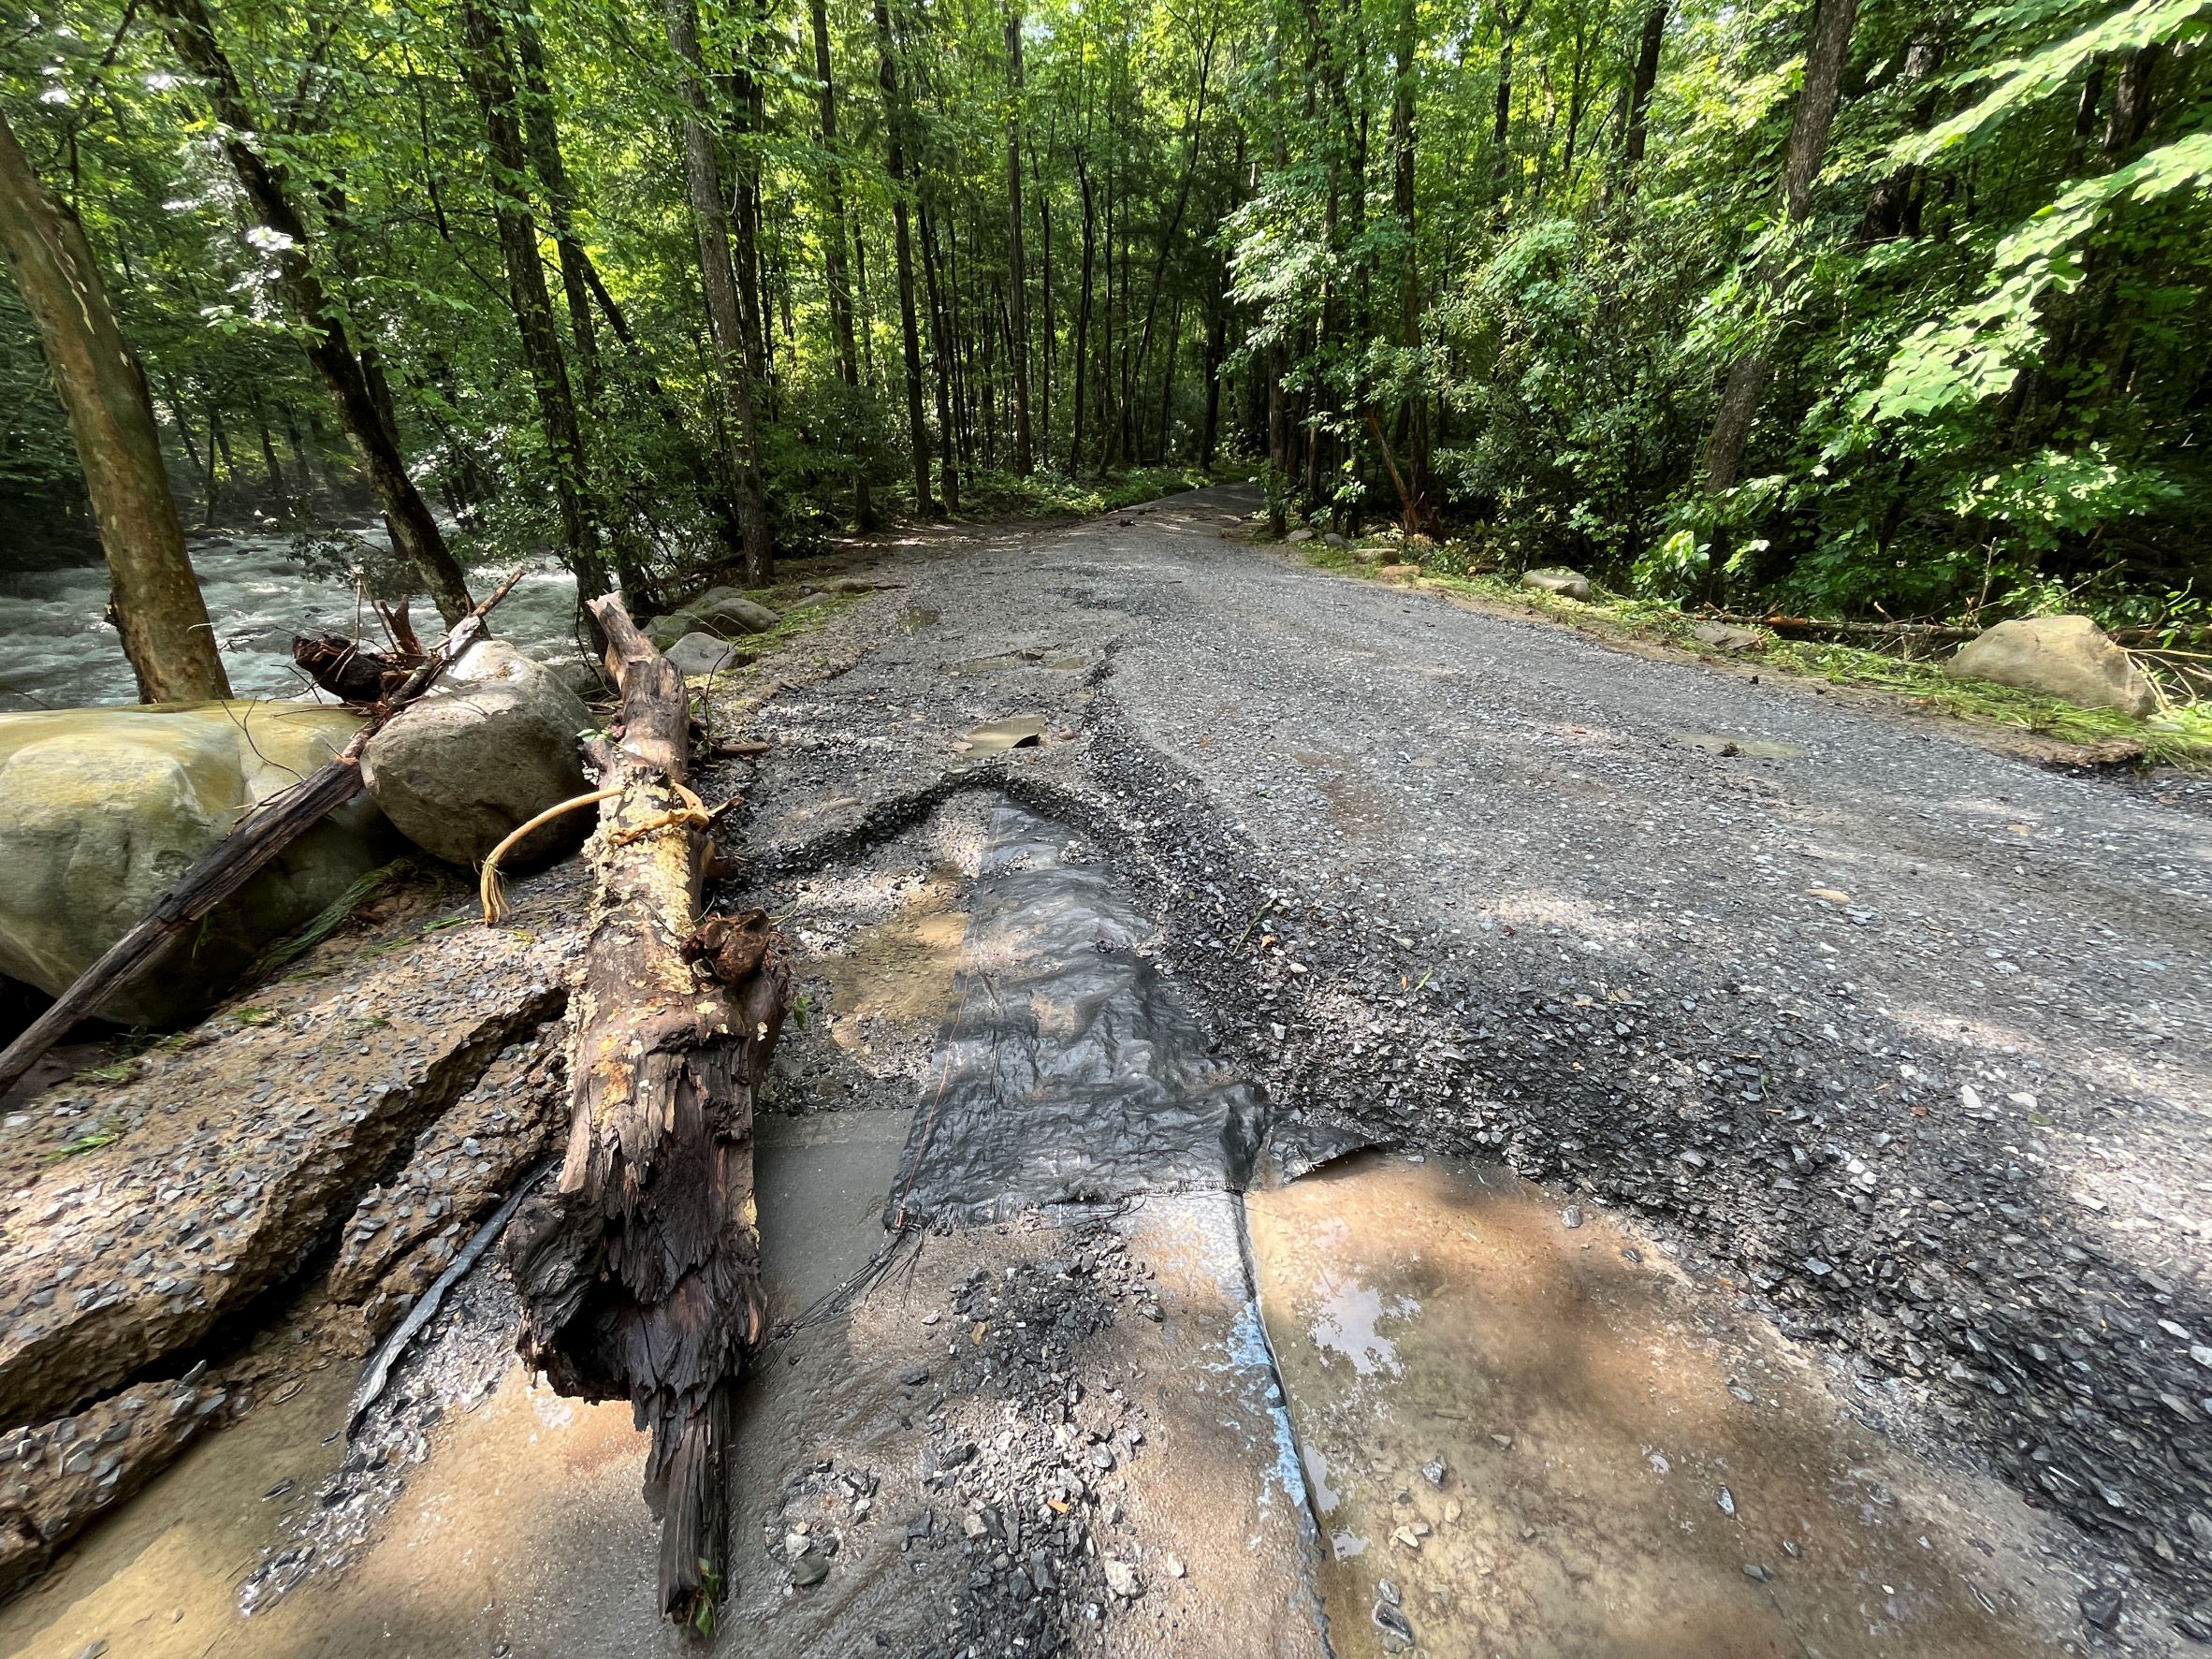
(57, 650)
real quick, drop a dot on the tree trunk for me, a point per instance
(1017, 294)
(753, 293)
(1827, 45)
(703, 177)
(903, 239)
(210, 483)
(263, 181)
(1893, 206)
(1640, 87)
(837, 277)
(1414, 406)
(279, 491)
(1083, 315)
(639, 1273)
(2130, 100)
(541, 129)
(155, 597)
(941, 358)
(492, 80)
(1044, 276)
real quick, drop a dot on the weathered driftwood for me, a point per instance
(264, 833)
(639, 1270)
(348, 670)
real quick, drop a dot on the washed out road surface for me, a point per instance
(1903, 1039)
(1782, 1231)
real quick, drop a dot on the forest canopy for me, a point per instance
(1859, 307)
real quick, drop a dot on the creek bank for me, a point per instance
(140, 1221)
(102, 810)
(290, 1174)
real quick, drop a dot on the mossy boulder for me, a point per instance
(103, 809)
(723, 612)
(2065, 657)
(494, 743)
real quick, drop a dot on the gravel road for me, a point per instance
(1903, 1037)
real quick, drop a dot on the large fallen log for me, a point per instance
(260, 836)
(639, 1270)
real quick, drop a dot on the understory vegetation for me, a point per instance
(2179, 734)
(1851, 307)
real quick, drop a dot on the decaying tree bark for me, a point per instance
(639, 1270)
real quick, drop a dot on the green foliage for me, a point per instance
(1982, 379)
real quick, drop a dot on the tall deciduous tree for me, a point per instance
(156, 607)
(490, 73)
(703, 177)
(267, 187)
(1827, 42)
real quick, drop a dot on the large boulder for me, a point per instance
(703, 654)
(103, 809)
(494, 743)
(1572, 584)
(724, 612)
(2068, 657)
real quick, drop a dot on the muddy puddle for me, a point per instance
(1521, 1436)
(522, 1533)
(898, 972)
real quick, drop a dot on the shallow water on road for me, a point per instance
(1519, 1439)
(57, 650)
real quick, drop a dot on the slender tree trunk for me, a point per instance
(1082, 317)
(493, 80)
(1892, 207)
(313, 485)
(155, 597)
(542, 131)
(1827, 45)
(1216, 350)
(1017, 293)
(903, 239)
(1502, 119)
(1415, 407)
(744, 95)
(940, 355)
(837, 277)
(210, 480)
(703, 177)
(1044, 231)
(1640, 94)
(279, 492)
(415, 531)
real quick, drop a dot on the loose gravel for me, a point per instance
(1904, 1037)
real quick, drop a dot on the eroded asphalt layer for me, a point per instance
(1900, 1038)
